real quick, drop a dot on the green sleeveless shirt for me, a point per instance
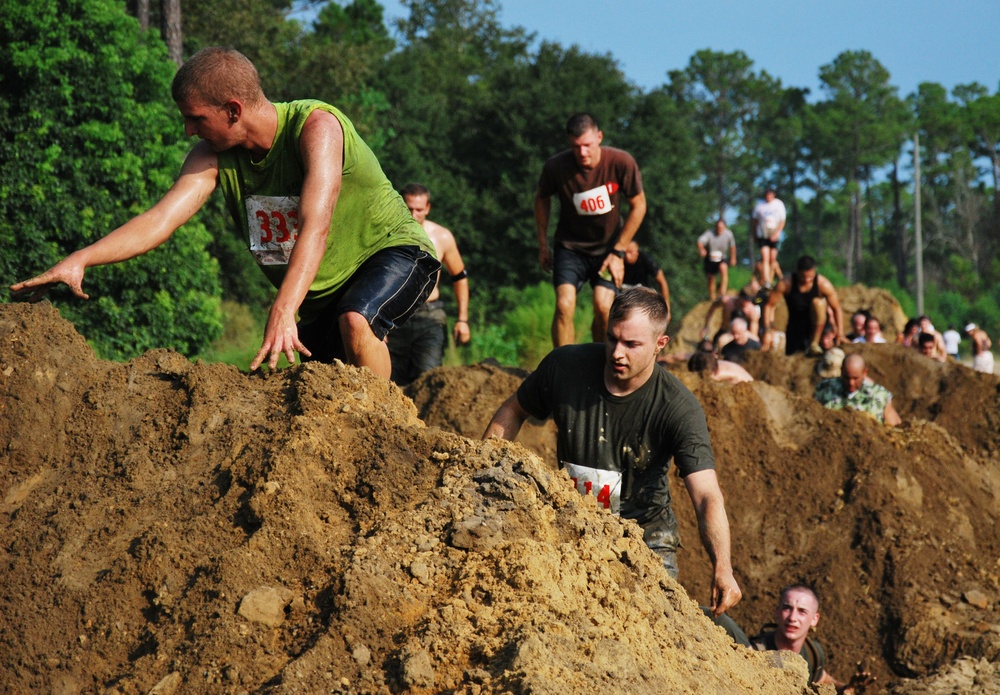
(263, 200)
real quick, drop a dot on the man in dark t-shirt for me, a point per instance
(591, 183)
(642, 271)
(621, 418)
(735, 350)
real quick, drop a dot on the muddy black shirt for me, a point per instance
(636, 435)
(642, 272)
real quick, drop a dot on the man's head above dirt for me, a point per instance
(855, 391)
(797, 613)
(853, 372)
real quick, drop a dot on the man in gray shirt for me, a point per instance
(718, 249)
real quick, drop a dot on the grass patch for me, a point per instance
(241, 336)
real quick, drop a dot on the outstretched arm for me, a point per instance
(140, 234)
(713, 525)
(452, 261)
(661, 280)
(859, 681)
(507, 421)
(833, 301)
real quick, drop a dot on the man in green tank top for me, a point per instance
(309, 199)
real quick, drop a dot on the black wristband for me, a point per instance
(620, 254)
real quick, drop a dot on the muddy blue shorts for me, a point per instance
(386, 290)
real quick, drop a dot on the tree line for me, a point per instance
(453, 99)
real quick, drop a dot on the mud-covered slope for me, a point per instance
(897, 528)
(171, 527)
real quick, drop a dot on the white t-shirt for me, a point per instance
(951, 340)
(769, 217)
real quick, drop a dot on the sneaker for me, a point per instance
(814, 350)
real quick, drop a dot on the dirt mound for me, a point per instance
(895, 527)
(179, 528)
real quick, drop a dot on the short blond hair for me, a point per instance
(216, 75)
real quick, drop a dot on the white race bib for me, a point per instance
(605, 485)
(715, 256)
(596, 201)
(273, 221)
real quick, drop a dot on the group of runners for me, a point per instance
(357, 267)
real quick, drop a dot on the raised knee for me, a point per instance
(353, 323)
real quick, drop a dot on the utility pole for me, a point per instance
(917, 231)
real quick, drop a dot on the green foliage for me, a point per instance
(90, 138)
(472, 108)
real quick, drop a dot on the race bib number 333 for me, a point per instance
(273, 222)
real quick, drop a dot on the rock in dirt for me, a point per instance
(265, 605)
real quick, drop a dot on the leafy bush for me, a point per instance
(90, 139)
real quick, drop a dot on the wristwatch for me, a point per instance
(620, 254)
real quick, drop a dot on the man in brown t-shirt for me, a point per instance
(590, 239)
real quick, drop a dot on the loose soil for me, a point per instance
(172, 527)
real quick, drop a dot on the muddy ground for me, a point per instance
(171, 527)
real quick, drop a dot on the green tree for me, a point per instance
(780, 132)
(952, 207)
(723, 94)
(91, 138)
(860, 128)
(661, 138)
(476, 110)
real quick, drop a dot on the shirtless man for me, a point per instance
(940, 351)
(808, 295)
(982, 358)
(418, 345)
(719, 370)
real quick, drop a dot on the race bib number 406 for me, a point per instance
(273, 221)
(596, 201)
(605, 485)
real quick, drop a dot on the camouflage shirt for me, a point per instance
(870, 398)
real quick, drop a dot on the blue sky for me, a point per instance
(950, 43)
